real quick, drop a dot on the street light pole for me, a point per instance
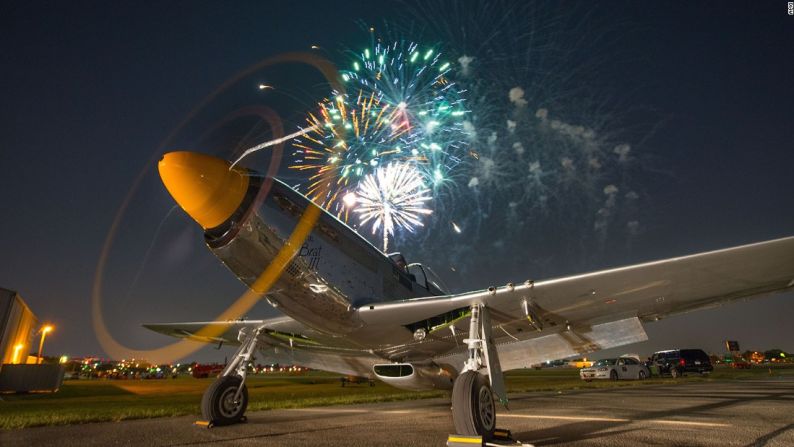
(44, 331)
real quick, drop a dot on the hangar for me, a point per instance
(18, 325)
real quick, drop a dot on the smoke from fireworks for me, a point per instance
(549, 167)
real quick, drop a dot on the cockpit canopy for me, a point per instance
(427, 278)
(421, 275)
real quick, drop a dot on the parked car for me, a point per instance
(677, 362)
(615, 369)
(205, 371)
(741, 364)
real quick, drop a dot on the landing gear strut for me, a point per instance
(226, 399)
(473, 409)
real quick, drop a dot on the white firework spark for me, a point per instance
(391, 197)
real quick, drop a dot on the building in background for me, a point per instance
(18, 326)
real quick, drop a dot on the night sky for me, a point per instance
(90, 90)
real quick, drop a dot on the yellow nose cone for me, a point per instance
(203, 186)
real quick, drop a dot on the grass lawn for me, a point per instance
(81, 401)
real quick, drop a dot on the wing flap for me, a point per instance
(560, 344)
(570, 343)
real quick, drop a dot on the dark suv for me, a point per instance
(677, 362)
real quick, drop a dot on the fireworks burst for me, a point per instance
(403, 108)
(391, 197)
(348, 140)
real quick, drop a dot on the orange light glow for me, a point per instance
(47, 328)
(17, 348)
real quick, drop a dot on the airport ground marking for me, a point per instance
(602, 419)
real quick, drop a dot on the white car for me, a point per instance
(615, 369)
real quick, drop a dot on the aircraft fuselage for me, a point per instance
(334, 271)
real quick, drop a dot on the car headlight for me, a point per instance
(603, 369)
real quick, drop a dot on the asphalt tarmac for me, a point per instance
(735, 413)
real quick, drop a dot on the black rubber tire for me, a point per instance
(613, 375)
(217, 404)
(473, 409)
(674, 373)
(642, 375)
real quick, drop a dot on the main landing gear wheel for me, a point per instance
(218, 405)
(473, 409)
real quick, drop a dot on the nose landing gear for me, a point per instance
(226, 400)
(220, 404)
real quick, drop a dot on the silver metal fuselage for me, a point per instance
(334, 272)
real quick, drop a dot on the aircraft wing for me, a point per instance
(283, 340)
(188, 330)
(583, 313)
(276, 331)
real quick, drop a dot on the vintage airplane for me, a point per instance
(349, 308)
